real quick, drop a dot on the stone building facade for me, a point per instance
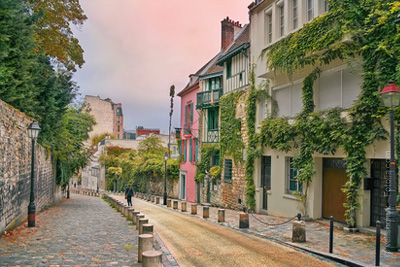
(15, 170)
(108, 116)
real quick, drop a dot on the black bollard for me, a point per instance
(331, 234)
(378, 243)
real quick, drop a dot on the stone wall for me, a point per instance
(15, 170)
(156, 186)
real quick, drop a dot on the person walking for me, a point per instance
(129, 194)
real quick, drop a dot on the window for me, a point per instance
(196, 150)
(269, 27)
(214, 83)
(324, 6)
(338, 88)
(213, 115)
(288, 99)
(293, 185)
(189, 114)
(228, 68)
(214, 159)
(228, 169)
(310, 9)
(281, 15)
(295, 15)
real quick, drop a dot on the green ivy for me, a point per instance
(231, 143)
(350, 30)
(204, 164)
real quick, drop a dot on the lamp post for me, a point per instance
(165, 178)
(391, 99)
(33, 132)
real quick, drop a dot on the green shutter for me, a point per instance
(191, 113)
(228, 169)
(184, 150)
(185, 115)
(190, 149)
(196, 152)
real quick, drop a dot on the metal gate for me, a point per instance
(379, 195)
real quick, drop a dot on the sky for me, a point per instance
(134, 50)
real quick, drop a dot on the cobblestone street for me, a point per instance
(82, 230)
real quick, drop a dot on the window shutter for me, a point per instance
(228, 169)
(184, 150)
(196, 152)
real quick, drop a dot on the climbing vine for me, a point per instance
(231, 143)
(205, 162)
(349, 31)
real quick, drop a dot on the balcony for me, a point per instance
(208, 99)
(212, 136)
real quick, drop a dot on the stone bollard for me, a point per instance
(138, 217)
(194, 209)
(221, 215)
(175, 204)
(299, 231)
(206, 212)
(152, 198)
(169, 203)
(148, 228)
(145, 244)
(243, 220)
(183, 206)
(130, 215)
(157, 200)
(141, 222)
(126, 210)
(152, 259)
(134, 216)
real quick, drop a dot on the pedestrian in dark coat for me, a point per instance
(129, 194)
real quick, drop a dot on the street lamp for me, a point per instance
(33, 132)
(165, 178)
(391, 99)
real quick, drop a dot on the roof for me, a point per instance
(240, 43)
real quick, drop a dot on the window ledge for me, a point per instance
(291, 197)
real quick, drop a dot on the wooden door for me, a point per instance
(379, 195)
(334, 180)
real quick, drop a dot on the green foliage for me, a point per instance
(351, 29)
(253, 141)
(99, 137)
(215, 172)
(126, 166)
(205, 161)
(231, 143)
(70, 153)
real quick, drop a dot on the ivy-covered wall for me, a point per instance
(365, 31)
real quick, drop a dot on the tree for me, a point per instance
(53, 30)
(171, 94)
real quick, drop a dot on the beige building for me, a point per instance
(338, 85)
(108, 116)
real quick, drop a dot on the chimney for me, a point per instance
(228, 30)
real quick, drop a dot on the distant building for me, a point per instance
(129, 134)
(140, 130)
(108, 116)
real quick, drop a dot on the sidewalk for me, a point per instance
(80, 231)
(358, 249)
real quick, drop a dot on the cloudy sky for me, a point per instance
(136, 49)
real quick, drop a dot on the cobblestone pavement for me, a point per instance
(80, 231)
(355, 248)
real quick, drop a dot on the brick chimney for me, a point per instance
(228, 30)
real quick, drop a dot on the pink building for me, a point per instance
(190, 140)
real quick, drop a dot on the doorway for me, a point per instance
(334, 179)
(379, 195)
(182, 185)
(265, 179)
